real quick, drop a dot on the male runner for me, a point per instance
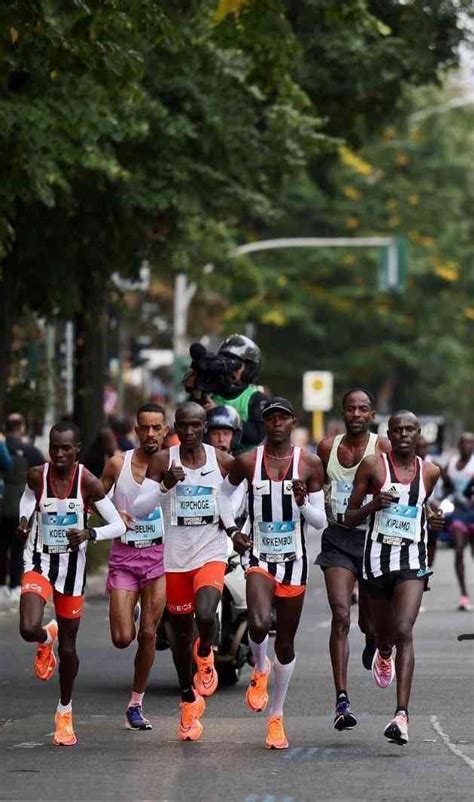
(185, 481)
(55, 560)
(459, 476)
(342, 547)
(136, 568)
(284, 495)
(395, 565)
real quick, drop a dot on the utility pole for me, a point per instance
(184, 292)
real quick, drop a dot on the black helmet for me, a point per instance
(225, 417)
(242, 347)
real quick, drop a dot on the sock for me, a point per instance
(135, 699)
(64, 708)
(281, 680)
(48, 638)
(188, 695)
(401, 710)
(340, 695)
(203, 651)
(259, 652)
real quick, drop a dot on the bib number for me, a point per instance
(277, 541)
(340, 495)
(148, 531)
(193, 505)
(54, 529)
(397, 525)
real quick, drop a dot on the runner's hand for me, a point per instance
(435, 520)
(76, 537)
(128, 519)
(241, 542)
(23, 530)
(382, 500)
(299, 491)
(173, 475)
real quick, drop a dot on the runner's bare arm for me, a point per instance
(111, 471)
(324, 450)
(383, 445)
(368, 479)
(93, 492)
(159, 480)
(224, 461)
(434, 516)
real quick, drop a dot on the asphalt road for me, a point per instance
(230, 762)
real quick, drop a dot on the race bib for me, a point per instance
(193, 505)
(397, 525)
(277, 541)
(340, 494)
(148, 531)
(54, 529)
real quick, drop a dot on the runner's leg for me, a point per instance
(31, 616)
(339, 585)
(152, 601)
(121, 616)
(68, 659)
(406, 603)
(458, 532)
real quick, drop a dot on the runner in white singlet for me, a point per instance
(136, 569)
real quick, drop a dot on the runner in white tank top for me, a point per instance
(136, 568)
(53, 511)
(460, 479)
(342, 547)
(284, 495)
(185, 479)
(395, 553)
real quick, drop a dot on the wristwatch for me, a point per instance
(230, 532)
(92, 535)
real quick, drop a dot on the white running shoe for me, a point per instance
(397, 730)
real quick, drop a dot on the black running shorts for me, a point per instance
(342, 548)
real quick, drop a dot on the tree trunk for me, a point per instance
(9, 286)
(90, 364)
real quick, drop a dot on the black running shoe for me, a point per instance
(344, 718)
(368, 654)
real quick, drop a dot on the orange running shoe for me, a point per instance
(45, 659)
(190, 728)
(257, 694)
(64, 734)
(276, 738)
(205, 679)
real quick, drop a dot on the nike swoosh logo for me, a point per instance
(48, 505)
(206, 473)
(75, 612)
(260, 487)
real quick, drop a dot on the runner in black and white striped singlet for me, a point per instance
(395, 554)
(284, 495)
(55, 500)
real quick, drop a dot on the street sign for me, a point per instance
(318, 390)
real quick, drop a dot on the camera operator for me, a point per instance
(228, 379)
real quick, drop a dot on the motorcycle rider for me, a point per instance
(224, 428)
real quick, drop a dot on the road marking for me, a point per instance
(25, 745)
(268, 798)
(307, 752)
(454, 749)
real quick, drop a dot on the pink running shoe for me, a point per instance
(383, 670)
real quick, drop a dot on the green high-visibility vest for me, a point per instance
(241, 403)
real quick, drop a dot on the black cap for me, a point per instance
(278, 403)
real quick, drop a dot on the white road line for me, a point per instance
(454, 749)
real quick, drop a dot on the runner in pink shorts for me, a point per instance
(136, 570)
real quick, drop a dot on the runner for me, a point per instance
(342, 547)
(136, 568)
(185, 481)
(55, 561)
(395, 556)
(459, 480)
(436, 496)
(284, 496)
